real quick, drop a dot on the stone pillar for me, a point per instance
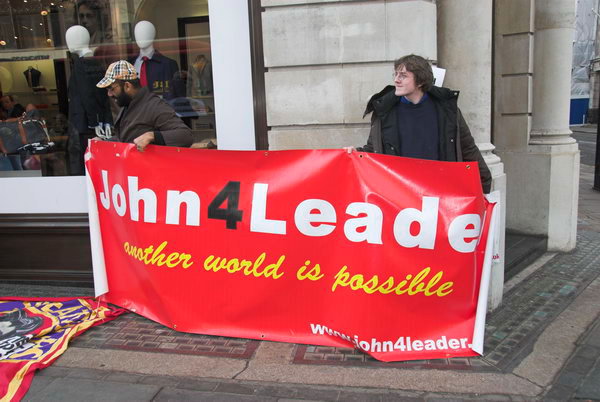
(465, 51)
(552, 58)
(553, 152)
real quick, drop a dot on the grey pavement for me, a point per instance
(542, 343)
(586, 138)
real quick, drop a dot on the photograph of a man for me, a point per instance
(144, 118)
(416, 119)
(93, 16)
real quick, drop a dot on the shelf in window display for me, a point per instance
(46, 93)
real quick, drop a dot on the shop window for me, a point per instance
(37, 73)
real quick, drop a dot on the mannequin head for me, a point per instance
(144, 34)
(78, 39)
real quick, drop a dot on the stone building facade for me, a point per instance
(296, 74)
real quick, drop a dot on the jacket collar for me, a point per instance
(383, 101)
(142, 93)
(158, 57)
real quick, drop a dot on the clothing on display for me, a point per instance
(88, 106)
(199, 81)
(32, 76)
(160, 71)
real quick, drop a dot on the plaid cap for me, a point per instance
(119, 70)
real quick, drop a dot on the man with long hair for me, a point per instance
(416, 119)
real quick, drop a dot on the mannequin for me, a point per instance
(78, 41)
(89, 109)
(159, 69)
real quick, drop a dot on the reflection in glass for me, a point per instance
(36, 71)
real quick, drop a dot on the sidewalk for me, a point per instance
(542, 343)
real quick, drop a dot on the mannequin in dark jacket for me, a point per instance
(89, 110)
(88, 105)
(415, 119)
(155, 70)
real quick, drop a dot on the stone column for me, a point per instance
(553, 153)
(465, 51)
(552, 58)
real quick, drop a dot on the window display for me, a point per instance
(52, 53)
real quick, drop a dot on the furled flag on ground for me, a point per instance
(36, 331)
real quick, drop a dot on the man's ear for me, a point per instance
(128, 87)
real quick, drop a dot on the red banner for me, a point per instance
(325, 247)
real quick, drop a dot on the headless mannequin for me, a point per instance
(78, 42)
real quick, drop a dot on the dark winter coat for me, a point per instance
(88, 104)
(456, 143)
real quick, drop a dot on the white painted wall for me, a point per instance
(232, 74)
(43, 195)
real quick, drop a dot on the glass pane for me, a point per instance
(47, 91)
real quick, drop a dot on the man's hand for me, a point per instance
(143, 140)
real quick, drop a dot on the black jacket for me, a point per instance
(88, 104)
(456, 142)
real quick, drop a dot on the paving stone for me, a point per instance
(159, 380)
(280, 391)
(349, 396)
(444, 398)
(394, 397)
(90, 374)
(234, 388)
(54, 371)
(493, 397)
(38, 385)
(588, 351)
(593, 337)
(197, 385)
(579, 365)
(80, 389)
(570, 379)
(590, 387)
(559, 393)
(119, 376)
(296, 400)
(319, 394)
(172, 394)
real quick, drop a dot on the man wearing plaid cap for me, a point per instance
(144, 118)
